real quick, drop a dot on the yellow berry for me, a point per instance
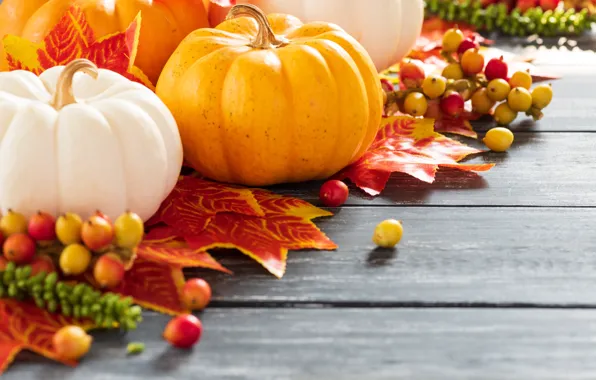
(434, 86)
(129, 230)
(71, 342)
(453, 71)
(498, 139)
(472, 62)
(415, 104)
(542, 96)
(13, 223)
(452, 39)
(521, 79)
(388, 233)
(68, 228)
(498, 89)
(519, 99)
(504, 115)
(74, 259)
(481, 103)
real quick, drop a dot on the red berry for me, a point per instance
(109, 270)
(496, 68)
(334, 193)
(42, 263)
(524, 5)
(102, 215)
(97, 233)
(19, 248)
(549, 5)
(411, 73)
(196, 294)
(41, 227)
(453, 104)
(183, 331)
(467, 44)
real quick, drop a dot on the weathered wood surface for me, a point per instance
(349, 344)
(458, 255)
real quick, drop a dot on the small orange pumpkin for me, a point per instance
(264, 100)
(164, 23)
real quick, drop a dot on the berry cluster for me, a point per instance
(76, 300)
(75, 245)
(523, 20)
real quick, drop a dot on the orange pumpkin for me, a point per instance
(164, 23)
(265, 100)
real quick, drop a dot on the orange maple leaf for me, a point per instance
(408, 145)
(73, 38)
(25, 326)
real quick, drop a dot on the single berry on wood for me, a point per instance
(434, 86)
(109, 270)
(504, 115)
(97, 233)
(19, 248)
(129, 230)
(415, 104)
(42, 226)
(481, 103)
(542, 95)
(74, 259)
(13, 223)
(452, 39)
(452, 104)
(498, 139)
(453, 71)
(183, 331)
(71, 342)
(472, 62)
(411, 73)
(496, 68)
(334, 193)
(388, 233)
(519, 99)
(498, 89)
(196, 294)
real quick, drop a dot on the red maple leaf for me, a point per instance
(408, 145)
(24, 326)
(73, 38)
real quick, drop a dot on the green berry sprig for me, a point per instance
(496, 17)
(72, 300)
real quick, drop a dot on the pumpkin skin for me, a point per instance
(387, 29)
(117, 149)
(164, 24)
(273, 113)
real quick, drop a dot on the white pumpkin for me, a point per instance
(71, 142)
(387, 29)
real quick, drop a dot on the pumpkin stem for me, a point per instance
(265, 38)
(64, 95)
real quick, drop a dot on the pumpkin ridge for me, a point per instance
(291, 147)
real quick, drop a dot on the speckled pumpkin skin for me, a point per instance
(259, 117)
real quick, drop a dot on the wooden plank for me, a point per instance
(547, 169)
(349, 344)
(447, 255)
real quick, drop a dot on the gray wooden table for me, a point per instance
(495, 277)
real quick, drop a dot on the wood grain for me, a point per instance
(447, 255)
(349, 344)
(546, 169)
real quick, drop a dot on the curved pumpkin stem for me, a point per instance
(265, 38)
(64, 95)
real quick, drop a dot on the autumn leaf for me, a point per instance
(194, 202)
(162, 245)
(286, 225)
(153, 285)
(408, 145)
(73, 38)
(24, 326)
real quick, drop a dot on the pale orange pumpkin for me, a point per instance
(164, 23)
(265, 100)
